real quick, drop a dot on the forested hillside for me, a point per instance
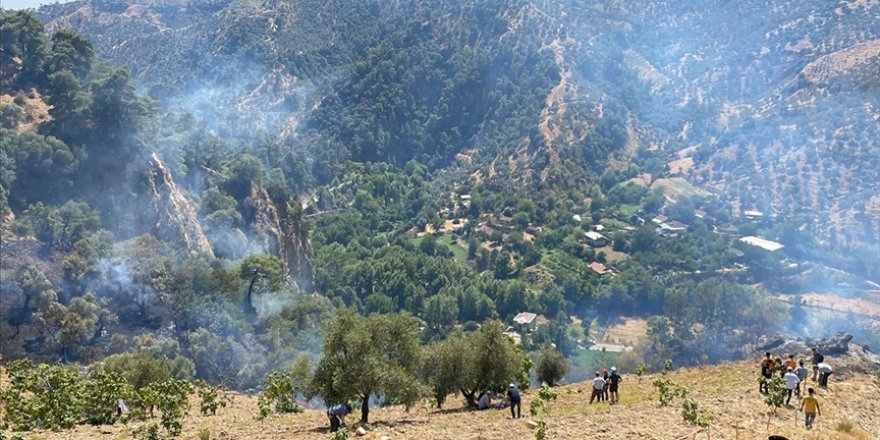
(211, 190)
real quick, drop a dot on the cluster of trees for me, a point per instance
(374, 358)
(60, 397)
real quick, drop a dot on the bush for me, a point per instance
(46, 396)
(278, 390)
(147, 432)
(212, 398)
(668, 390)
(690, 413)
(101, 394)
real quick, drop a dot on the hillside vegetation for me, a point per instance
(395, 200)
(728, 391)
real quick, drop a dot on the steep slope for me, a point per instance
(729, 391)
(776, 103)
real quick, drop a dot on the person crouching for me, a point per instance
(336, 414)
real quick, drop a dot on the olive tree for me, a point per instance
(365, 356)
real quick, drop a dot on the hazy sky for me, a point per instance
(22, 4)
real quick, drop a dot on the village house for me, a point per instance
(767, 245)
(534, 230)
(599, 268)
(659, 220)
(526, 320)
(753, 214)
(596, 239)
(465, 200)
(672, 228)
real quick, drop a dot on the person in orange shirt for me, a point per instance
(810, 407)
(790, 363)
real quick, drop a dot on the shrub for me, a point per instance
(46, 396)
(279, 391)
(147, 432)
(641, 369)
(690, 413)
(668, 390)
(212, 398)
(101, 394)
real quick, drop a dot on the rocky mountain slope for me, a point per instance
(774, 106)
(729, 391)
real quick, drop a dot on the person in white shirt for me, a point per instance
(824, 372)
(791, 382)
(598, 387)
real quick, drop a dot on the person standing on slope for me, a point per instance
(815, 361)
(598, 387)
(604, 396)
(514, 399)
(810, 407)
(766, 373)
(614, 382)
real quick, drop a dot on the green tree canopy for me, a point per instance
(366, 356)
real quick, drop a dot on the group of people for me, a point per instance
(795, 376)
(605, 386)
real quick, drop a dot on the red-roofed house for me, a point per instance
(599, 268)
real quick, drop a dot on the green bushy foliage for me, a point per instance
(147, 432)
(212, 398)
(100, 397)
(691, 413)
(668, 390)
(43, 396)
(278, 394)
(551, 366)
(775, 392)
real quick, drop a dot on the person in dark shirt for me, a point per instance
(766, 372)
(513, 398)
(614, 381)
(815, 361)
(336, 414)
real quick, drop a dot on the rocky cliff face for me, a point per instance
(282, 232)
(175, 212)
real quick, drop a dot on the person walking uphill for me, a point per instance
(598, 388)
(791, 383)
(515, 401)
(810, 406)
(801, 373)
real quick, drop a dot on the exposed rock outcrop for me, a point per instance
(283, 232)
(838, 350)
(176, 213)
